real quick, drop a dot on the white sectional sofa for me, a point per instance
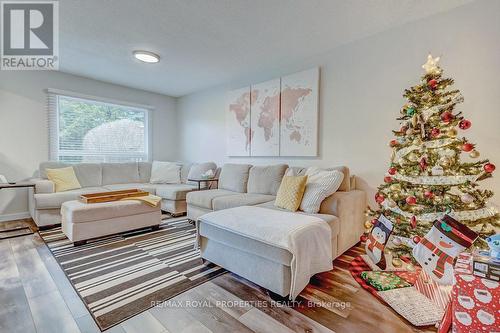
(45, 203)
(246, 185)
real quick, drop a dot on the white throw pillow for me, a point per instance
(320, 185)
(165, 173)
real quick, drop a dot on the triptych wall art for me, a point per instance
(274, 118)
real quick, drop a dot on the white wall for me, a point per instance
(23, 124)
(361, 93)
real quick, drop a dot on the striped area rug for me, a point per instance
(122, 275)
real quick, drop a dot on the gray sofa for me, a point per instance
(246, 185)
(45, 203)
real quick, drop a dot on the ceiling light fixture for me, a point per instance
(146, 56)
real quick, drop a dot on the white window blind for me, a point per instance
(87, 130)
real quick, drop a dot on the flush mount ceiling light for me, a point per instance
(146, 56)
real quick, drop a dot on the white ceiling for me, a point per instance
(204, 43)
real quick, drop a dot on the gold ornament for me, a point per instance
(396, 262)
(395, 187)
(474, 154)
(412, 157)
(431, 66)
(445, 161)
(367, 231)
(368, 224)
(452, 133)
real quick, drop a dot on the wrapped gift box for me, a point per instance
(485, 266)
(475, 300)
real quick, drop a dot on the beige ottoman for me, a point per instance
(81, 221)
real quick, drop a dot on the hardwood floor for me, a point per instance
(35, 296)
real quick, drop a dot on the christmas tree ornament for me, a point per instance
(438, 248)
(393, 143)
(464, 124)
(474, 154)
(437, 170)
(368, 225)
(467, 147)
(413, 157)
(431, 66)
(452, 133)
(411, 200)
(396, 262)
(363, 238)
(387, 179)
(396, 187)
(432, 83)
(447, 117)
(489, 168)
(466, 198)
(377, 239)
(423, 164)
(410, 111)
(435, 132)
(373, 221)
(416, 239)
(428, 194)
(413, 222)
(379, 198)
(445, 161)
(392, 171)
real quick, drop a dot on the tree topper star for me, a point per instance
(431, 66)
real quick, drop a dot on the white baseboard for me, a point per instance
(16, 216)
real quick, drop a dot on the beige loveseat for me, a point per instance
(247, 185)
(45, 203)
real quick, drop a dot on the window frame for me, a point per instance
(53, 96)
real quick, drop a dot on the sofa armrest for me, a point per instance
(350, 208)
(43, 185)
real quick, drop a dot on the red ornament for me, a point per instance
(416, 239)
(432, 83)
(467, 147)
(411, 200)
(429, 194)
(387, 179)
(379, 198)
(373, 221)
(447, 116)
(393, 143)
(489, 167)
(464, 124)
(435, 132)
(392, 171)
(423, 163)
(363, 238)
(413, 222)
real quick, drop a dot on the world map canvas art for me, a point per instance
(275, 118)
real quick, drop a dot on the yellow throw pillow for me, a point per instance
(290, 192)
(64, 179)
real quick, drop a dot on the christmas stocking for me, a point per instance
(439, 247)
(377, 239)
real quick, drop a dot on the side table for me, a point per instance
(6, 231)
(207, 181)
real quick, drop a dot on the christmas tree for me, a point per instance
(432, 170)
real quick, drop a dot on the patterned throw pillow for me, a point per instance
(63, 178)
(290, 192)
(320, 185)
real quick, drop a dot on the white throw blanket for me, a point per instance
(307, 238)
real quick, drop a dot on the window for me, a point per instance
(86, 130)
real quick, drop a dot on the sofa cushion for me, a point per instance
(290, 192)
(246, 244)
(234, 177)
(320, 185)
(88, 174)
(345, 186)
(144, 172)
(165, 173)
(55, 200)
(42, 169)
(265, 179)
(141, 186)
(64, 179)
(332, 220)
(120, 173)
(174, 191)
(243, 199)
(204, 198)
